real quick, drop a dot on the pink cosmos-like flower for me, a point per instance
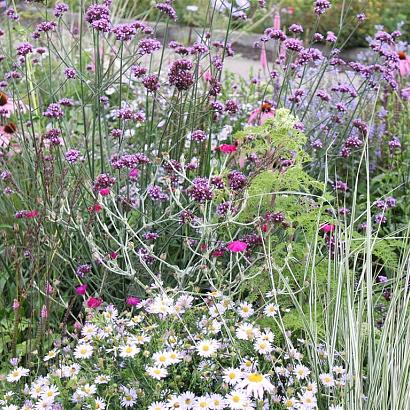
(81, 290)
(237, 246)
(226, 148)
(262, 114)
(404, 64)
(93, 303)
(133, 301)
(327, 228)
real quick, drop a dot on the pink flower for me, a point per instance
(226, 148)
(264, 59)
(16, 304)
(237, 246)
(93, 303)
(105, 191)
(81, 290)
(133, 173)
(44, 312)
(327, 228)
(133, 301)
(95, 208)
(262, 114)
(404, 64)
(276, 22)
(207, 75)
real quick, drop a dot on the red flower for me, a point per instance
(227, 148)
(95, 208)
(93, 303)
(237, 246)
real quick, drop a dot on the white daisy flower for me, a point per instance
(236, 400)
(202, 403)
(161, 358)
(157, 373)
(83, 351)
(263, 346)
(301, 372)
(217, 402)
(16, 374)
(86, 390)
(50, 392)
(129, 350)
(246, 331)
(206, 348)
(89, 330)
(188, 398)
(157, 405)
(271, 310)
(308, 401)
(45, 404)
(129, 398)
(245, 310)
(232, 376)
(290, 403)
(102, 379)
(327, 379)
(99, 404)
(255, 385)
(51, 355)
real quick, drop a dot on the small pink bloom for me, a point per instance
(133, 173)
(105, 191)
(226, 148)
(93, 303)
(327, 228)
(263, 58)
(77, 325)
(133, 301)
(81, 290)
(218, 252)
(237, 246)
(113, 255)
(16, 304)
(207, 75)
(44, 312)
(276, 22)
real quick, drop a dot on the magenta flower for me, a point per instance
(227, 148)
(81, 290)
(94, 303)
(105, 191)
(327, 228)
(237, 246)
(133, 301)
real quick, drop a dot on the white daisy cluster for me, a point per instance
(177, 353)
